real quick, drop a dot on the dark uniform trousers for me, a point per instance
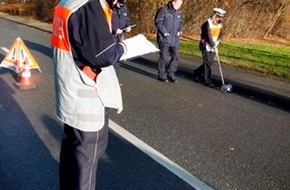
(205, 68)
(80, 152)
(173, 65)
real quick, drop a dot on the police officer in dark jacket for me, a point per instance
(120, 25)
(169, 26)
(120, 20)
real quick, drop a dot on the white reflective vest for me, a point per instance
(80, 101)
(215, 30)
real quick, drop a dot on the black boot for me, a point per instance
(196, 77)
(209, 84)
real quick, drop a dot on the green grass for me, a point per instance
(271, 59)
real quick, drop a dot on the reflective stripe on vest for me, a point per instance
(215, 32)
(59, 37)
(80, 101)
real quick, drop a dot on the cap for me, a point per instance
(219, 12)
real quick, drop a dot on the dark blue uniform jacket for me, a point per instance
(168, 20)
(120, 20)
(90, 35)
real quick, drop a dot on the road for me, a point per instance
(228, 141)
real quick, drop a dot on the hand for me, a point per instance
(128, 29)
(119, 31)
(216, 43)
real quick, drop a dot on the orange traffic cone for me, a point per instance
(25, 81)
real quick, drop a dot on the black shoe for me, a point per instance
(196, 77)
(162, 79)
(172, 79)
(209, 84)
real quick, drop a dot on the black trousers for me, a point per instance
(205, 68)
(163, 72)
(79, 156)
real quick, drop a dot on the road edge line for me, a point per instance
(161, 159)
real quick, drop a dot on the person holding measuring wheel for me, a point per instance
(211, 36)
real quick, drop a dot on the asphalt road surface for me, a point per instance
(227, 140)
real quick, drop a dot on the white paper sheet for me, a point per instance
(137, 46)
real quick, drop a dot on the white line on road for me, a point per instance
(161, 159)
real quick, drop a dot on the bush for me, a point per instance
(18, 9)
(44, 10)
(244, 19)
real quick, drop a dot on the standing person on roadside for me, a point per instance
(87, 87)
(120, 20)
(210, 38)
(120, 24)
(169, 24)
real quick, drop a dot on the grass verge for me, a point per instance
(271, 59)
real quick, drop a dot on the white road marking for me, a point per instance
(161, 159)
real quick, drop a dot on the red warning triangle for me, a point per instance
(17, 55)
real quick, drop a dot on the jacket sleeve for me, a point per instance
(93, 43)
(206, 35)
(221, 35)
(159, 21)
(180, 29)
(115, 21)
(128, 22)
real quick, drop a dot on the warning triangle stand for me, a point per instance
(19, 59)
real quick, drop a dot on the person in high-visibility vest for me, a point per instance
(84, 52)
(211, 36)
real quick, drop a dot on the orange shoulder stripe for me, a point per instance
(59, 37)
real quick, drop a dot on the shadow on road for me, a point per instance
(4, 70)
(12, 73)
(25, 162)
(125, 167)
(246, 90)
(138, 70)
(55, 128)
(39, 48)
